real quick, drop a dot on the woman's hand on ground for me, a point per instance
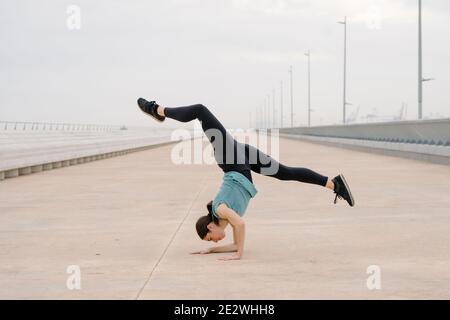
(206, 251)
(233, 257)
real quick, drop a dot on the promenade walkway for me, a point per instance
(128, 223)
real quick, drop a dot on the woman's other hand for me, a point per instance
(206, 251)
(233, 257)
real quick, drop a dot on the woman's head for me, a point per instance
(208, 227)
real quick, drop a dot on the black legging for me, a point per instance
(245, 157)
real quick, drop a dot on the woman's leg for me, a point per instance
(225, 147)
(264, 164)
(196, 111)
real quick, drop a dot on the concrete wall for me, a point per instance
(434, 132)
(425, 140)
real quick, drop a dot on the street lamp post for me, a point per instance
(266, 114)
(261, 117)
(274, 111)
(281, 104)
(260, 111)
(308, 54)
(421, 79)
(420, 82)
(292, 99)
(345, 65)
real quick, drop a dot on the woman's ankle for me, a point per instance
(160, 110)
(330, 184)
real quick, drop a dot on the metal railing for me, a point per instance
(53, 126)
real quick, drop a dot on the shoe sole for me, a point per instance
(348, 190)
(147, 114)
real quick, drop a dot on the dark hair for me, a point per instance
(202, 222)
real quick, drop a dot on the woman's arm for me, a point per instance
(238, 225)
(232, 247)
(221, 249)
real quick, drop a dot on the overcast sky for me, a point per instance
(226, 54)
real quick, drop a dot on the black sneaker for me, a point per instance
(342, 190)
(149, 108)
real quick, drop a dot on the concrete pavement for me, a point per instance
(128, 223)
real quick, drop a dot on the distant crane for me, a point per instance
(402, 113)
(371, 116)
